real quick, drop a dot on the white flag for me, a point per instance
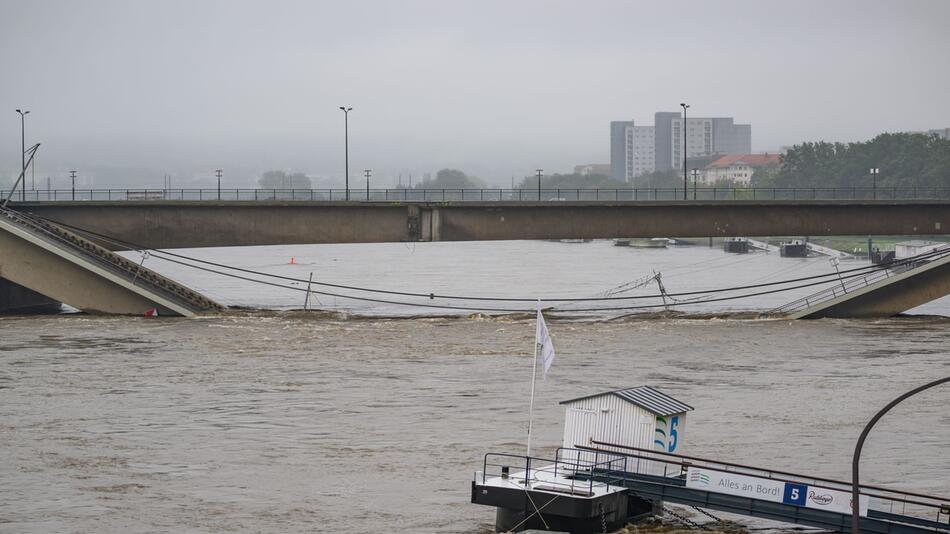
(545, 344)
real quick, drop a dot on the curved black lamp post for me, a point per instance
(855, 493)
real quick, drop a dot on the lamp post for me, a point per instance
(72, 176)
(539, 182)
(218, 173)
(874, 172)
(685, 179)
(695, 179)
(346, 145)
(855, 460)
(23, 115)
(367, 172)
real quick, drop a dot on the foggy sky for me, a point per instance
(493, 88)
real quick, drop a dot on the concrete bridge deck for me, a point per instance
(181, 224)
(882, 293)
(65, 267)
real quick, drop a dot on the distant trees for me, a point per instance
(572, 181)
(282, 180)
(905, 160)
(660, 179)
(451, 179)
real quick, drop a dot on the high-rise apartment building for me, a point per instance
(631, 150)
(707, 136)
(663, 124)
(638, 150)
(618, 149)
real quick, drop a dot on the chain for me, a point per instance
(707, 514)
(683, 519)
(603, 519)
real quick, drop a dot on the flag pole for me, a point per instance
(534, 375)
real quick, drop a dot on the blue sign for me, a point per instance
(795, 494)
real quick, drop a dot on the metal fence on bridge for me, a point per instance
(487, 195)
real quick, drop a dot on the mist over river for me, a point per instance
(370, 417)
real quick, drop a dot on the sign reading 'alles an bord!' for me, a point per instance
(773, 490)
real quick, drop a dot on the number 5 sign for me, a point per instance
(795, 494)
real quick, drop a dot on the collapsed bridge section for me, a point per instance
(64, 266)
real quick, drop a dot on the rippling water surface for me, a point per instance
(291, 421)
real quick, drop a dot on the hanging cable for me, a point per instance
(832, 278)
(505, 299)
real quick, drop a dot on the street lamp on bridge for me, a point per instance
(695, 179)
(874, 172)
(346, 146)
(685, 178)
(23, 115)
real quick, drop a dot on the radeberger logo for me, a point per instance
(821, 500)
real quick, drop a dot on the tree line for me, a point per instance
(904, 160)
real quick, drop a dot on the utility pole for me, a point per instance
(218, 173)
(367, 172)
(72, 176)
(539, 183)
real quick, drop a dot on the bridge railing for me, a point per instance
(931, 509)
(486, 195)
(851, 284)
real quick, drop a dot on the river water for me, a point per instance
(290, 421)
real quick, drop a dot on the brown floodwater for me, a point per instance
(291, 422)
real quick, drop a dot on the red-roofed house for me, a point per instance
(737, 168)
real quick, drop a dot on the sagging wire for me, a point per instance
(699, 294)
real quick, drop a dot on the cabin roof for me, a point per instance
(645, 397)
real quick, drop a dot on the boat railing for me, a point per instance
(582, 473)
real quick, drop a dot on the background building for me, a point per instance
(663, 124)
(638, 150)
(631, 150)
(618, 149)
(737, 168)
(706, 136)
(592, 168)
